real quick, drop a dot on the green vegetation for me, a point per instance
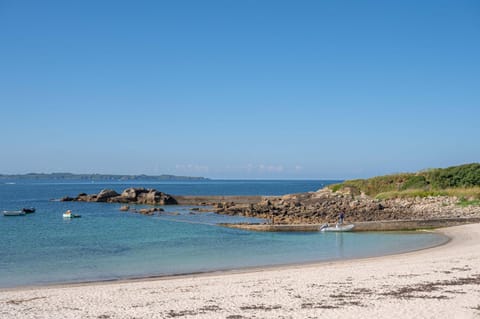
(473, 193)
(461, 181)
(465, 202)
(336, 187)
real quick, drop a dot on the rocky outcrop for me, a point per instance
(105, 195)
(325, 206)
(147, 196)
(148, 211)
(128, 196)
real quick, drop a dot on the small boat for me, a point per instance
(28, 210)
(337, 228)
(65, 215)
(13, 213)
(68, 214)
(71, 216)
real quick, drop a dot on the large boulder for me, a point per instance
(132, 193)
(106, 194)
(167, 200)
(154, 197)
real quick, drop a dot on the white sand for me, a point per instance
(442, 282)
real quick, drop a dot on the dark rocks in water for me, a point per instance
(145, 211)
(146, 196)
(132, 193)
(156, 197)
(149, 211)
(128, 196)
(106, 194)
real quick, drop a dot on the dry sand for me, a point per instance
(441, 282)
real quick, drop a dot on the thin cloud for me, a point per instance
(191, 168)
(264, 168)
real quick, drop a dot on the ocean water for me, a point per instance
(105, 244)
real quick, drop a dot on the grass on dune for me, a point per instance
(461, 181)
(468, 202)
(468, 194)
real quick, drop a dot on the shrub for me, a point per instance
(455, 180)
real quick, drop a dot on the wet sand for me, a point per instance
(440, 282)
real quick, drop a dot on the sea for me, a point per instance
(104, 244)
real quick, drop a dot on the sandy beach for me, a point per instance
(440, 282)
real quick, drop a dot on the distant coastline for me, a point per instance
(99, 177)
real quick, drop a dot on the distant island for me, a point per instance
(98, 177)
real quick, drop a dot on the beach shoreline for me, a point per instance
(222, 272)
(442, 282)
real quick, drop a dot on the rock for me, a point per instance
(125, 208)
(106, 194)
(84, 197)
(129, 195)
(145, 211)
(132, 193)
(154, 197)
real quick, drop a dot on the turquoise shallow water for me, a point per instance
(106, 244)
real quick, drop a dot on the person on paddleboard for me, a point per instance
(341, 217)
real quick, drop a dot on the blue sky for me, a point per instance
(239, 89)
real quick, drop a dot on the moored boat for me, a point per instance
(337, 228)
(71, 216)
(28, 210)
(68, 214)
(13, 213)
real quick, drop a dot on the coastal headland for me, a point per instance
(429, 199)
(308, 211)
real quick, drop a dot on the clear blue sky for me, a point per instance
(239, 89)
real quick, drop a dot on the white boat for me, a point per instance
(68, 214)
(13, 213)
(337, 228)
